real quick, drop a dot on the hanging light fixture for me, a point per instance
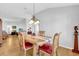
(34, 20)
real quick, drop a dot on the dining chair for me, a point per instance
(4, 35)
(41, 33)
(50, 49)
(24, 45)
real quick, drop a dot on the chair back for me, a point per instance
(41, 33)
(21, 40)
(55, 43)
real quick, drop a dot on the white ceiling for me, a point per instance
(25, 10)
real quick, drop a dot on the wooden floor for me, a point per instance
(10, 47)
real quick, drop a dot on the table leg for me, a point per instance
(35, 49)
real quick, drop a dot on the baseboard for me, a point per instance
(66, 47)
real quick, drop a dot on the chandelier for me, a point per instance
(34, 20)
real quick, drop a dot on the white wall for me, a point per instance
(60, 20)
(19, 24)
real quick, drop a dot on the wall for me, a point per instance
(62, 20)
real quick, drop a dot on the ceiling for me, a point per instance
(25, 10)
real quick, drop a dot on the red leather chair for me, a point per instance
(50, 49)
(24, 45)
(46, 48)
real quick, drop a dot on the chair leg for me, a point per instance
(25, 53)
(40, 53)
(57, 52)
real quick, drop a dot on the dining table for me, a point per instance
(36, 41)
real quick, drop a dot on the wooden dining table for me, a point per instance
(36, 41)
